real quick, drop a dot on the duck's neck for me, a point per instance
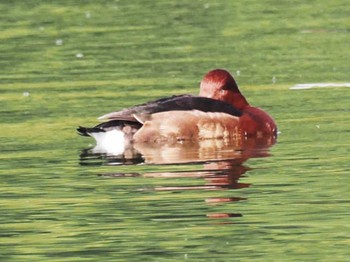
(235, 96)
(238, 101)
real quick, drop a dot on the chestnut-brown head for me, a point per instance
(219, 84)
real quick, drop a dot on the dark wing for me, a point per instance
(148, 107)
(181, 103)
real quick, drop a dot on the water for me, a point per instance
(64, 64)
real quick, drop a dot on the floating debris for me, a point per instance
(25, 94)
(79, 55)
(318, 85)
(59, 42)
(274, 80)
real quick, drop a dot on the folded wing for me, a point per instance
(174, 103)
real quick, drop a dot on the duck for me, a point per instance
(220, 111)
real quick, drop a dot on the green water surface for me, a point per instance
(64, 63)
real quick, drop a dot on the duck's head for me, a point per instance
(219, 84)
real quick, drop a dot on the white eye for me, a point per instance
(222, 91)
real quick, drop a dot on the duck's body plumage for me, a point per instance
(220, 111)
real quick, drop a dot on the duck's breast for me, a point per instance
(256, 122)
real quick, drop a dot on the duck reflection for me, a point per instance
(184, 152)
(222, 164)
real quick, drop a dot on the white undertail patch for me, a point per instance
(110, 142)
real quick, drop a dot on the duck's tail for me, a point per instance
(87, 131)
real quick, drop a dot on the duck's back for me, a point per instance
(174, 103)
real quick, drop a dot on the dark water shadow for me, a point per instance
(222, 165)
